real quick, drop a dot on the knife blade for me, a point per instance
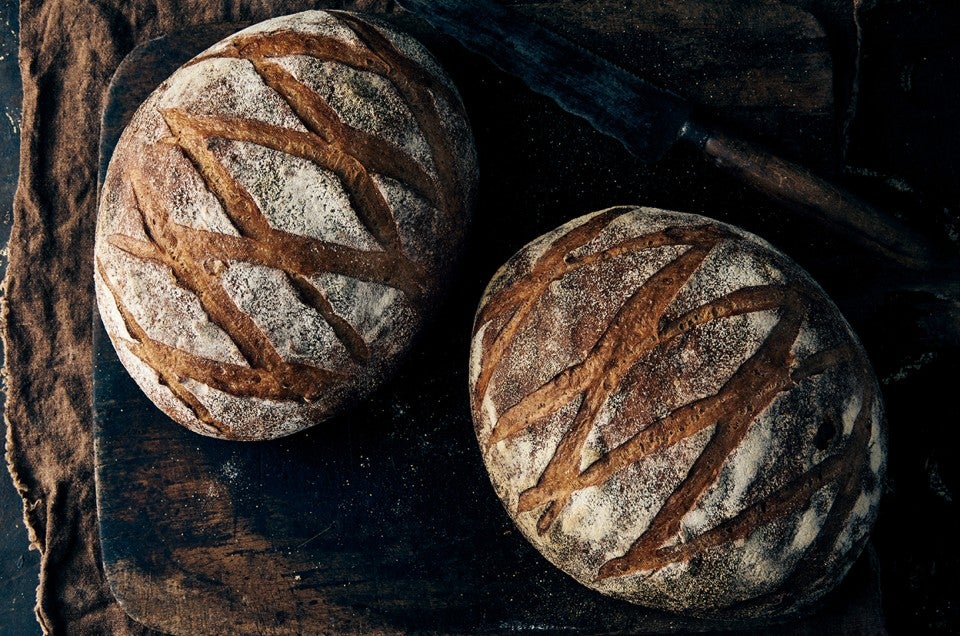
(649, 120)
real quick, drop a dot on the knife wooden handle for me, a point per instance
(812, 197)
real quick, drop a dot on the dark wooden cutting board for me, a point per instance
(381, 520)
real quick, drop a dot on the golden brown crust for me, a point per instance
(597, 428)
(137, 220)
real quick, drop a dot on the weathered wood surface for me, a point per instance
(383, 520)
(764, 66)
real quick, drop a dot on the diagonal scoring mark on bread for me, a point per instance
(167, 377)
(283, 43)
(197, 257)
(377, 55)
(299, 381)
(632, 330)
(268, 376)
(678, 425)
(173, 366)
(847, 467)
(756, 383)
(301, 255)
(519, 300)
(191, 136)
(368, 152)
(419, 89)
(639, 327)
(188, 255)
(253, 344)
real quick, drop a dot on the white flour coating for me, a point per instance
(416, 219)
(864, 511)
(125, 225)
(193, 205)
(223, 88)
(490, 415)
(862, 506)
(728, 496)
(851, 409)
(257, 418)
(729, 267)
(189, 329)
(878, 445)
(808, 528)
(765, 559)
(109, 312)
(476, 347)
(806, 423)
(537, 447)
(365, 101)
(296, 195)
(378, 312)
(604, 520)
(807, 343)
(417, 53)
(303, 336)
(877, 456)
(596, 444)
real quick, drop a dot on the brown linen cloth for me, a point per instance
(69, 50)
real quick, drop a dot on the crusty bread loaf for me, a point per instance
(276, 218)
(675, 414)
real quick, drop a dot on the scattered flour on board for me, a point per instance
(229, 470)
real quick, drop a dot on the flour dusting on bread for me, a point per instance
(278, 218)
(675, 414)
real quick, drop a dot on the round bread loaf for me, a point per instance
(276, 219)
(675, 414)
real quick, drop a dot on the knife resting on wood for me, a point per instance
(648, 120)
